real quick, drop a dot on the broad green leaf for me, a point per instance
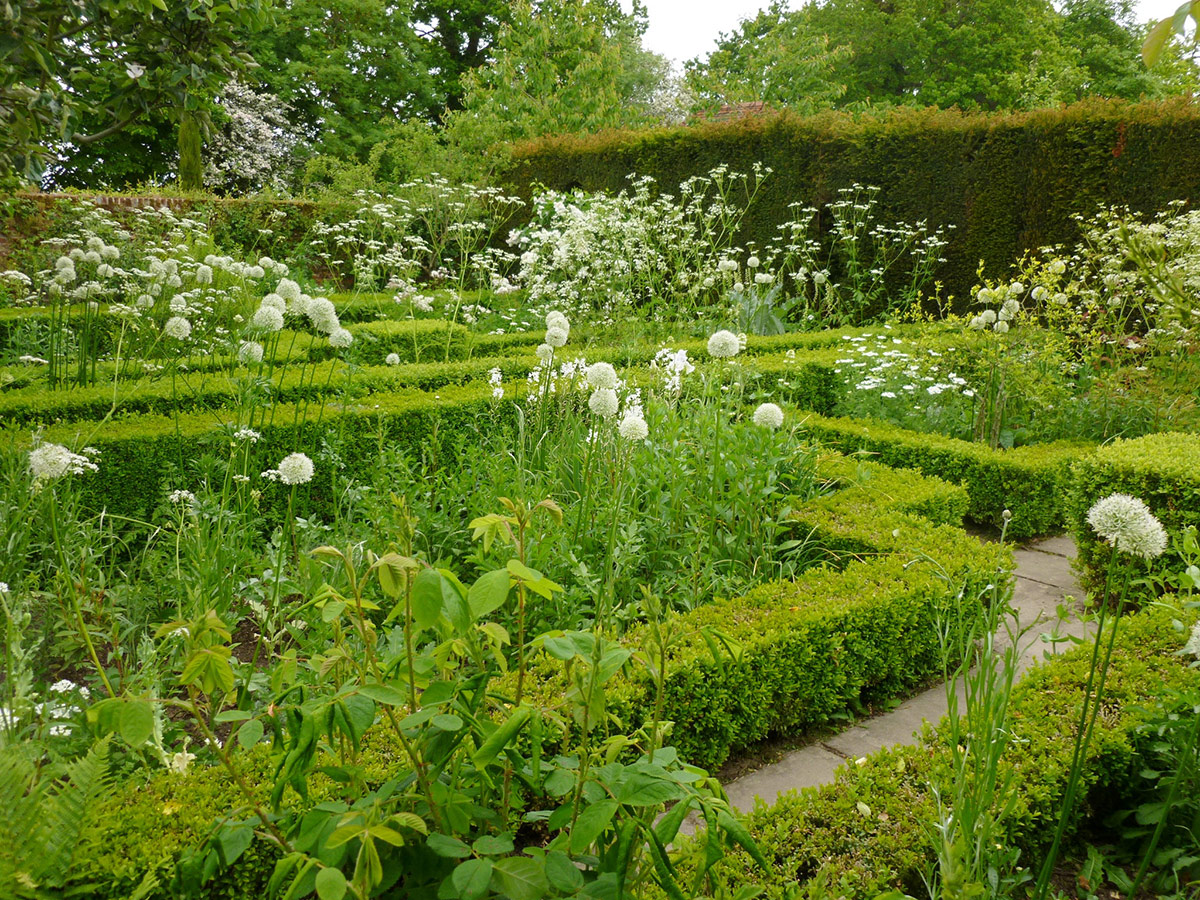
(471, 878)
(250, 733)
(136, 722)
(592, 823)
(447, 722)
(331, 884)
(563, 874)
(232, 842)
(488, 593)
(493, 845)
(383, 693)
(520, 878)
(444, 845)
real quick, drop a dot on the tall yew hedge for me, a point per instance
(1006, 182)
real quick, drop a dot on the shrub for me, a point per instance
(1007, 183)
(1163, 470)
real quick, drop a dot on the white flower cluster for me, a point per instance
(496, 380)
(1127, 524)
(295, 468)
(674, 364)
(769, 416)
(998, 320)
(49, 462)
(724, 344)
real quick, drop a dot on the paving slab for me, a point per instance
(1047, 568)
(1044, 583)
(1062, 545)
(809, 766)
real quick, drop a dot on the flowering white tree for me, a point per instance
(255, 147)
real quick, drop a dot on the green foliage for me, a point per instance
(871, 830)
(46, 812)
(1007, 183)
(1030, 482)
(1162, 470)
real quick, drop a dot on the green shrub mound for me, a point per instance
(1006, 183)
(1031, 482)
(873, 828)
(788, 655)
(794, 654)
(1162, 470)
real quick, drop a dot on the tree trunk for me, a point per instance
(191, 162)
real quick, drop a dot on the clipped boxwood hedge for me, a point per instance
(808, 649)
(1163, 470)
(873, 828)
(1031, 482)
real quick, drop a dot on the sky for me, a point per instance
(683, 29)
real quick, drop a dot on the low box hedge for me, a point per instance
(1163, 470)
(1031, 482)
(872, 829)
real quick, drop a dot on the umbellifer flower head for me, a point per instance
(603, 402)
(49, 462)
(724, 344)
(768, 415)
(1128, 525)
(601, 375)
(296, 468)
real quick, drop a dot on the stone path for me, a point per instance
(1043, 582)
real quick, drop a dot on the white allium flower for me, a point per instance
(266, 318)
(105, 271)
(288, 289)
(768, 415)
(49, 462)
(603, 402)
(275, 302)
(341, 338)
(724, 344)
(555, 319)
(545, 352)
(763, 278)
(174, 282)
(204, 274)
(144, 301)
(556, 337)
(601, 375)
(1127, 524)
(1192, 647)
(1000, 328)
(178, 305)
(633, 427)
(988, 316)
(393, 359)
(178, 327)
(753, 262)
(1009, 310)
(256, 272)
(323, 315)
(296, 468)
(250, 352)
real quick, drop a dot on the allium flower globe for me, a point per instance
(555, 319)
(545, 352)
(1192, 647)
(323, 314)
(341, 338)
(266, 318)
(556, 337)
(601, 375)
(177, 327)
(1127, 525)
(275, 302)
(603, 402)
(393, 359)
(250, 352)
(296, 468)
(204, 274)
(288, 289)
(768, 415)
(724, 344)
(633, 428)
